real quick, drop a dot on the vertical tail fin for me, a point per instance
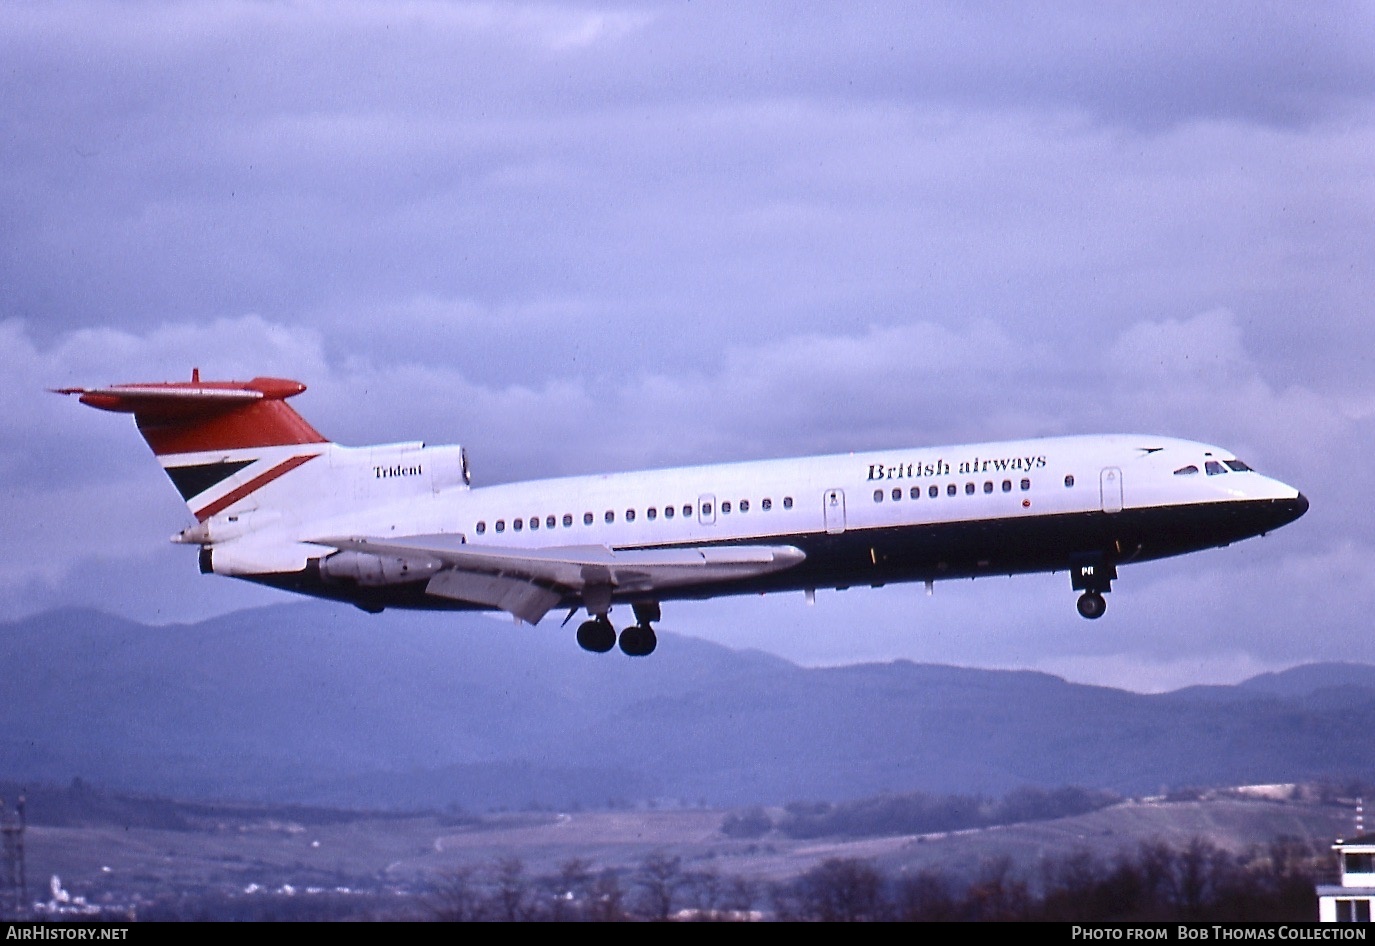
(218, 441)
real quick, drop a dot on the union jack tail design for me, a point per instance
(220, 442)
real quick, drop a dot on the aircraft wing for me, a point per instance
(529, 582)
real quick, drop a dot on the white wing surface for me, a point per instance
(528, 582)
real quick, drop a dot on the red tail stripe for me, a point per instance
(265, 423)
(257, 483)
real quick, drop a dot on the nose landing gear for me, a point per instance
(1092, 605)
(1092, 573)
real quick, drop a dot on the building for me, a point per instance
(1353, 899)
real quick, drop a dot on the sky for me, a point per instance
(593, 237)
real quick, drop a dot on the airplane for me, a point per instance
(400, 525)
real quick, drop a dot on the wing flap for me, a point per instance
(528, 582)
(524, 599)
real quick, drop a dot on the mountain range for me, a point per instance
(315, 703)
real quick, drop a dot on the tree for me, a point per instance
(926, 896)
(608, 899)
(703, 890)
(456, 898)
(660, 876)
(998, 894)
(570, 891)
(512, 895)
(750, 823)
(841, 890)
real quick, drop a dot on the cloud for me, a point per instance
(910, 384)
(701, 160)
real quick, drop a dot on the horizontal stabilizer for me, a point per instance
(198, 416)
(185, 398)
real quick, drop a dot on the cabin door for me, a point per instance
(834, 503)
(1110, 482)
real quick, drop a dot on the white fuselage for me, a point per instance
(893, 515)
(399, 525)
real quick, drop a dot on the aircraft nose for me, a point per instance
(1287, 510)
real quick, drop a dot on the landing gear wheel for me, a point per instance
(596, 635)
(639, 640)
(1091, 605)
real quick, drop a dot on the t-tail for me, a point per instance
(261, 482)
(220, 442)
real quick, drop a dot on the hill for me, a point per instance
(312, 703)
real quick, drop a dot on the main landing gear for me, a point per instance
(1093, 575)
(597, 635)
(638, 640)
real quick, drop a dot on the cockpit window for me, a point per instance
(1214, 468)
(1238, 467)
(1186, 470)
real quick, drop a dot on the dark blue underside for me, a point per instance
(929, 552)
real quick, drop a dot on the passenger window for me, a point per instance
(1214, 468)
(1069, 480)
(517, 524)
(725, 508)
(1026, 484)
(1186, 470)
(652, 513)
(952, 490)
(933, 492)
(988, 486)
(744, 505)
(787, 502)
(915, 492)
(501, 525)
(878, 495)
(1007, 486)
(534, 523)
(668, 512)
(567, 519)
(969, 489)
(706, 510)
(549, 522)
(587, 518)
(481, 528)
(767, 504)
(687, 511)
(630, 515)
(897, 493)
(610, 516)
